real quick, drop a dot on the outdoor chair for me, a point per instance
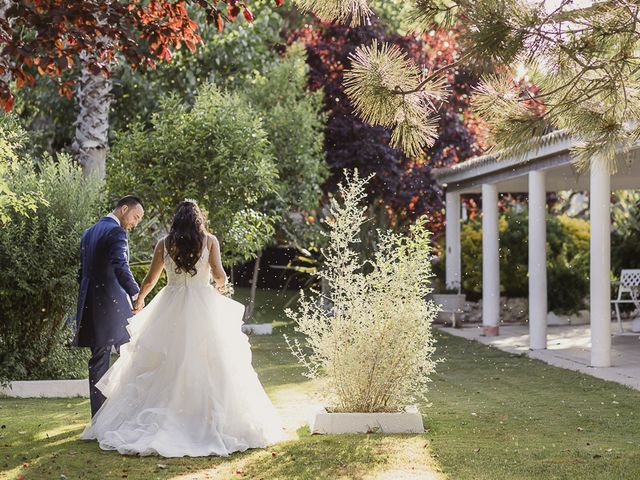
(628, 292)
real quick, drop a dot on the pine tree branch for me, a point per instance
(539, 96)
(436, 74)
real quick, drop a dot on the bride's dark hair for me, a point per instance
(186, 237)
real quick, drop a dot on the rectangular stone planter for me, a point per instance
(46, 389)
(409, 421)
(257, 328)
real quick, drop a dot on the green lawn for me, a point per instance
(497, 415)
(270, 304)
(493, 416)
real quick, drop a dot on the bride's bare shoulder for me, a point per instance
(160, 244)
(211, 240)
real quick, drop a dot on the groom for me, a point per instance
(107, 289)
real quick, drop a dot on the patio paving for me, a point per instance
(567, 347)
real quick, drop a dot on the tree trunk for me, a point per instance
(92, 124)
(248, 313)
(4, 6)
(325, 290)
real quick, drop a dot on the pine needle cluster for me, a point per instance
(350, 12)
(581, 58)
(585, 66)
(377, 75)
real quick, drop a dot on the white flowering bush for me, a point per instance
(374, 344)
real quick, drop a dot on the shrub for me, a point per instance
(567, 259)
(471, 255)
(567, 287)
(374, 344)
(626, 231)
(567, 263)
(39, 260)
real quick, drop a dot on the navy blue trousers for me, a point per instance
(98, 366)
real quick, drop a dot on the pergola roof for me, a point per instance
(553, 156)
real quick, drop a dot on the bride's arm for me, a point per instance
(152, 277)
(215, 261)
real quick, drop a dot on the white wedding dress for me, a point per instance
(184, 384)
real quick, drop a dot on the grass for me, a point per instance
(502, 416)
(270, 304)
(48, 448)
(40, 441)
(493, 416)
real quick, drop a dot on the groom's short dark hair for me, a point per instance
(129, 201)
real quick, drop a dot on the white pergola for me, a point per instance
(547, 169)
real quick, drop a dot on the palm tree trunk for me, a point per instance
(248, 313)
(92, 124)
(4, 6)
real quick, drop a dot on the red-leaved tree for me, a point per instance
(403, 187)
(51, 37)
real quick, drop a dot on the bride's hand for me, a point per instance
(226, 289)
(138, 305)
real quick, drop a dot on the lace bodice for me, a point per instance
(185, 279)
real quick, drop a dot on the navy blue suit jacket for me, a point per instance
(106, 286)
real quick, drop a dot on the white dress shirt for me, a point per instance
(111, 215)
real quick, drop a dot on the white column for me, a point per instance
(490, 261)
(537, 261)
(600, 264)
(452, 239)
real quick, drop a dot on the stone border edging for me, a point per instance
(257, 328)
(46, 389)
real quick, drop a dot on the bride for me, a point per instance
(184, 384)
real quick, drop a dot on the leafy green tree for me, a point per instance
(13, 140)
(227, 58)
(216, 152)
(294, 127)
(50, 38)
